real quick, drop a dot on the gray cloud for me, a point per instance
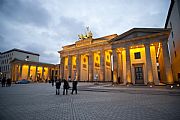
(45, 26)
(24, 12)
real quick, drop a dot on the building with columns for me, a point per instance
(7, 56)
(138, 56)
(34, 71)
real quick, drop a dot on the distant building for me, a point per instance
(19, 64)
(173, 22)
(138, 56)
(8, 56)
(34, 71)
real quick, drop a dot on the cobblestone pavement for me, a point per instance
(39, 102)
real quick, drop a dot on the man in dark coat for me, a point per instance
(3, 82)
(65, 87)
(58, 85)
(52, 80)
(74, 86)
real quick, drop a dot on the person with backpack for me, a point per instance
(65, 87)
(58, 85)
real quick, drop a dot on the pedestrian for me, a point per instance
(58, 85)
(8, 82)
(65, 86)
(69, 79)
(52, 81)
(119, 80)
(74, 86)
(3, 81)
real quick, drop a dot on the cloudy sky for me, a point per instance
(44, 26)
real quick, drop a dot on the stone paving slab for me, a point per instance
(39, 102)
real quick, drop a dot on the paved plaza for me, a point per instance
(39, 102)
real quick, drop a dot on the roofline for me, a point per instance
(105, 36)
(139, 29)
(32, 62)
(169, 13)
(19, 50)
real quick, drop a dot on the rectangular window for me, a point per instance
(174, 44)
(171, 25)
(175, 53)
(179, 76)
(137, 55)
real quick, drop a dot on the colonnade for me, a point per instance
(121, 64)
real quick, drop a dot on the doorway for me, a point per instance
(139, 75)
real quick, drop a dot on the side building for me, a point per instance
(173, 23)
(19, 64)
(138, 56)
(8, 56)
(33, 71)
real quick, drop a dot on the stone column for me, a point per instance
(102, 66)
(128, 66)
(90, 64)
(49, 73)
(62, 67)
(42, 73)
(36, 73)
(12, 72)
(17, 72)
(167, 64)
(78, 66)
(115, 66)
(149, 64)
(120, 66)
(29, 71)
(69, 66)
(20, 72)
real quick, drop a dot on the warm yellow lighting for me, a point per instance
(158, 50)
(152, 44)
(131, 47)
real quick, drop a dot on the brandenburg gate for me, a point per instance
(138, 56)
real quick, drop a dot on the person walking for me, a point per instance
(69, 79)
(74, 86)
(8, 82)
(52, 82)
(3, 82)
(65, 86)
(58, 85)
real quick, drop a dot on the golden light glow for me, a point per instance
(152, 44)
(96, 59)
(73, 62)
(159, 45)
(66, 63)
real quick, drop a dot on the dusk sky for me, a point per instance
(44, 26)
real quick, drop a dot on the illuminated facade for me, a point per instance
(34, 71)
(173, 23)
(138, 56)
(7, 56)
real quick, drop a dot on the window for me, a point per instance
(175, 53)
(174, 44)
(172, 34)
(137, 55)
(171, 25)
(179, 76)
